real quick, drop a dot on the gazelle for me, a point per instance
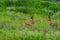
(29, 23)
(50, 22)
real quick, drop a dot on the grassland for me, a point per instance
(14, 13)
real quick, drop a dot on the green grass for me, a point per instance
(13, 14)
(11, 27)
(27, 35)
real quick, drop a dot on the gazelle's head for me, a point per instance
(32, 19)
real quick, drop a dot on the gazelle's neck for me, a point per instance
(49, 18)
(32, 20)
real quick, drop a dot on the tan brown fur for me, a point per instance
(29, 23)
(51, 23)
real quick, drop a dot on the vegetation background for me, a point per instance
(13, 13)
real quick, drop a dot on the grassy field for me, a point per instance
(13, 14)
